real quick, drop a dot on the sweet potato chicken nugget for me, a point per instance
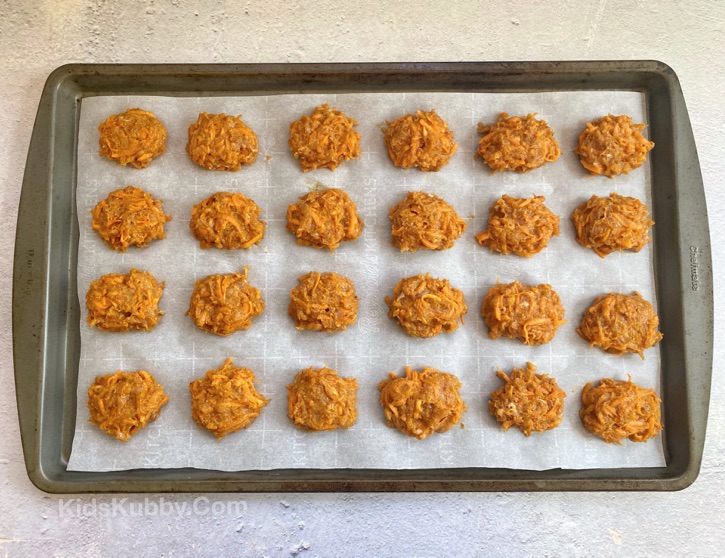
(223, 304)
(325, 139)
(617, 410)
(422, 403)
(523, 226)
(529, 313)
(422, 141)
(324, 218)
(422, 221)
(123, 403)
(517, 144)
(225, 399)
(123, 302)
(613, 223)
(319, 399)
(529, 401)
(613, 145)
(620, 323)
(221, 142)
(226, 220)
(323, 302)
(424, 306)
(129, 217)
(134, 138)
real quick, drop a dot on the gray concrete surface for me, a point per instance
(37, 36)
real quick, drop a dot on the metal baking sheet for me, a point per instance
(46, 313)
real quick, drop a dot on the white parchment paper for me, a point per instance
(176, 352)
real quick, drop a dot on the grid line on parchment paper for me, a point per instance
(481, 185)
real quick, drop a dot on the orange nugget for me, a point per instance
(325, 139)
(422, 403)
(319, 399)
(529, 401)
(613, 145)
(123, 302)
(225, 400)
(517, 144)
(617, 410)
(134, 137)
(620, 323)
(123, 403)
(529, 313)
(422, 141)
(221, 142)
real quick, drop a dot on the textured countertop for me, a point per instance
(38, 36)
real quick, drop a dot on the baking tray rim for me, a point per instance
(68, 84)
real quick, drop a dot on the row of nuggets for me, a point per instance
(419, 404)
(423, 306)
(326, 217)
(609, 146)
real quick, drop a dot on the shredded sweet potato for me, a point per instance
(123, 403)
(323, 302)
(617, 410)
(123, 302)
(325, 139)
(424, 306)
(422, 141)
(221, 142)
(613, 145)
(319, 399)
(223, 304)
(422, 403)
(613, 223)
(324, 218)
(529, 313)
(134, 138)
(531, 402)
(225, 400)
(523, 226)
(620, 323)
(517, 144)
(129, 217)
(226, 220)
(422, 221)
